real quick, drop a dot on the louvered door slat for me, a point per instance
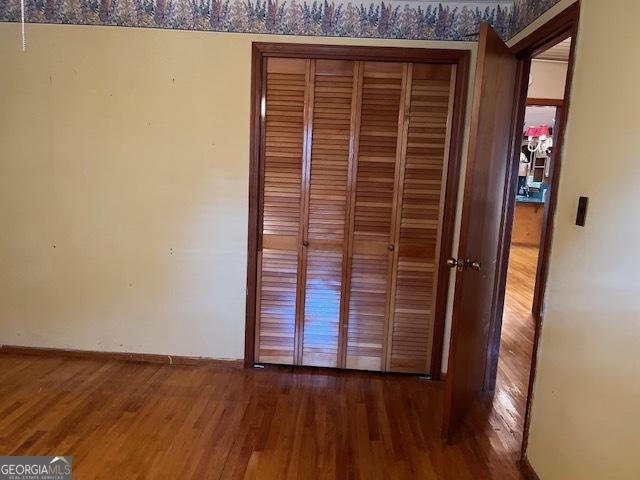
(420, 219)
(281, 215)
(333, 86)
(373, 214)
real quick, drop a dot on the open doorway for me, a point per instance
(534, 190)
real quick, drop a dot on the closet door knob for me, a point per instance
(391, 247)
(305, 243)
(456, 263)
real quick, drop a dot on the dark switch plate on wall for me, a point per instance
(583, 202)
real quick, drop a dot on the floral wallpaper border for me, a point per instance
(525, 12)
(424, 20)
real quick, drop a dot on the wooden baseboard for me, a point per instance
(527, 470)
(121, 356)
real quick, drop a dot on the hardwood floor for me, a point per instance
(516, 342)
(147, 421)
(516, 346)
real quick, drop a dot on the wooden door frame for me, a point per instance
(544, 102)
(563, 26)
(260, 52)
(544, 245)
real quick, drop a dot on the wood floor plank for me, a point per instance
(135, 420)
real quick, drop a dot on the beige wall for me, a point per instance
(123, 187)
(547, 79)
(585, 423)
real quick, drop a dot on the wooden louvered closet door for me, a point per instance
(421, 193)
(353, 186)
(283, 150)
(326, 230)
(373, 215)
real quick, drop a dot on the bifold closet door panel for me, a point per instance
(373, 214)
(281, 213)
(327, 211)
(421, 208)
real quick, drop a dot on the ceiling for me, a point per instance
(559, 52)
(535, 116)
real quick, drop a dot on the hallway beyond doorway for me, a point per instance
(516, 342)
